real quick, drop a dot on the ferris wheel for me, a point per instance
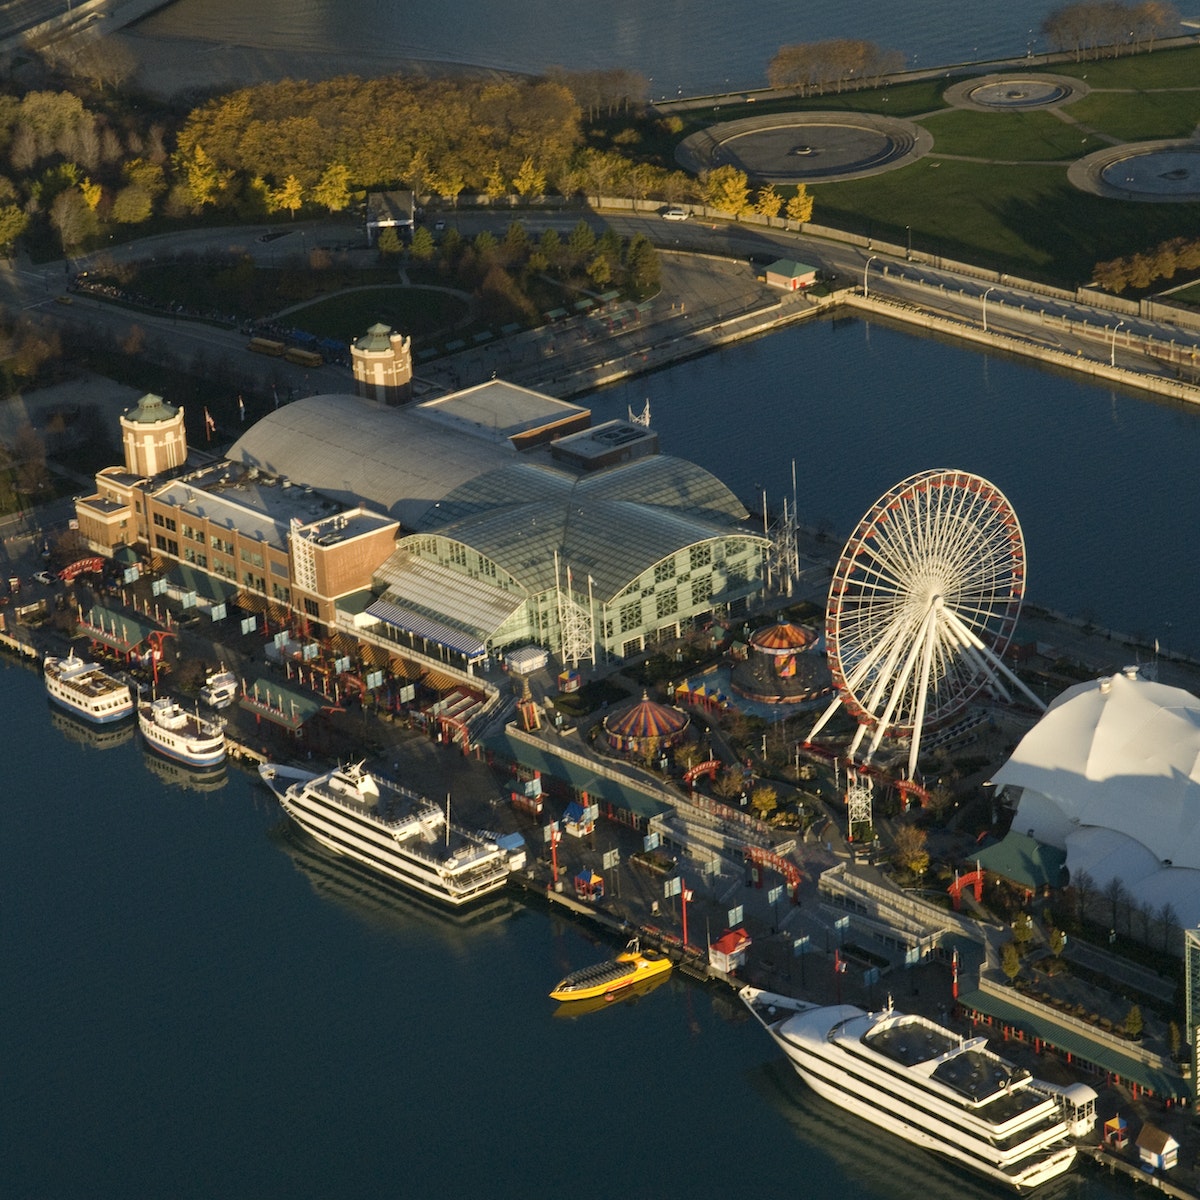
(922, 604)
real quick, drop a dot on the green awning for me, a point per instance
(1024, 861)
(1074, 1042)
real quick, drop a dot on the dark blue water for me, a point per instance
(195, 1004)
(693, 46)
(1104, 483)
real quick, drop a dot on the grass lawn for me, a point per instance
(1139, 116)
(419, 312)
(1024, 219)
(1158, 69)
(1009, 137)
(1188, 295)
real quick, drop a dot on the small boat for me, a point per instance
(220, 688)
(570, 1009)
(611, 977)
(86, 689)
(181, 735)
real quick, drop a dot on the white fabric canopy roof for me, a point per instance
(1111, 774)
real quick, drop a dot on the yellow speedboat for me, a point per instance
(612, 976)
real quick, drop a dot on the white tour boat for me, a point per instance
(86, 689)
(391, 830)
(220, 689)
(181, 735)
(930, 1086)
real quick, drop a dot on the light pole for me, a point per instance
(984, 306)
(865, 270)
(908, 254)
(1112, 358)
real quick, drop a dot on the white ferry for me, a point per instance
(391, 830)
(84, 688)
(181, 735)
(930, 1086)
(220, 689)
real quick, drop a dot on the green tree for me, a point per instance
(1058, 942)
(389, 242)
(768, 202)
(1010, 961)
(73, 219)
(910, 852)
(1134, 1022)
(332, 190)
(764, 800)
(147, 175)
(132, 205)
(422, 248)
(529, 180)
(642, 266)
(290, 196)
(800, 206)
(202, 177)
(13, 221)
(600, 271)
(1022, 929)
(495, 185)
(581, 241)
(726, 189)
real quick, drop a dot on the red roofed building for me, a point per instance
(728, 952)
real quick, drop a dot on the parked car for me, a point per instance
(45, 577)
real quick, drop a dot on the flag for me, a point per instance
(210, 426)
(241, 408)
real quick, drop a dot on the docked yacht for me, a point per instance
(86, 689)
(391, 830)
(220, 689)
(932, 1087)
(184, 736)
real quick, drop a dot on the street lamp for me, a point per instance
(908, 230)
(984, 306)
(1112, 358)
(865, 270)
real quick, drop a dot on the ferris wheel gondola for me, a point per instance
(923, 603)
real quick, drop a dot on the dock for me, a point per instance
(1115, 1163)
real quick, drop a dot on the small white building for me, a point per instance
(390, 210)
(728, 952)
(1157, 1149)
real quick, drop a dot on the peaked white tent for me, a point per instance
(1111, 775)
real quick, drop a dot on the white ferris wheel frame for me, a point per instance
(922, 606)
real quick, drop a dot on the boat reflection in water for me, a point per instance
(630, 995)
(374, 897)
(847, 1156)
(191, 779)
(88, 735)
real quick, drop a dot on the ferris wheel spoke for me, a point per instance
(922, 604)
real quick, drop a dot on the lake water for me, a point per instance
(197, 1004)
(689, 46)
(1103, 482)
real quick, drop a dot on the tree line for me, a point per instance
(815, 67)
(1108, 26)
(1141, 270)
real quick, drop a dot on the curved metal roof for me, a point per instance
(611, 525)
(355, 450)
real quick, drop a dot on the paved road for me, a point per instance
(716, 286)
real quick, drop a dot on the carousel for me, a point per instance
(646, 727)
(784, 666)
